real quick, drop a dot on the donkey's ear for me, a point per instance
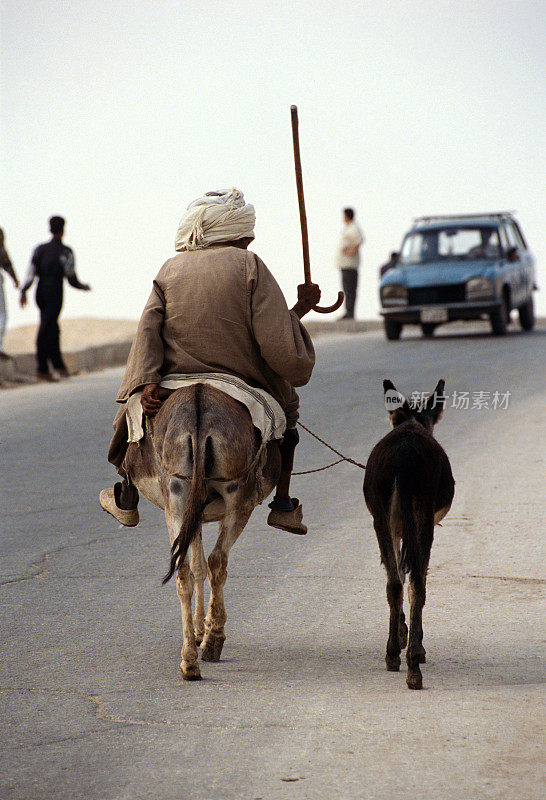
(436, 402)
(396, 404)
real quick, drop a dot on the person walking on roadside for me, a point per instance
(348, 259)
(6, 266)
(50, 264)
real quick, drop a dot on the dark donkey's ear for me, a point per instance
(396, 404)
(436, 402)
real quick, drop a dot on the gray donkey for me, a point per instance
(408, 488)
(200, 462)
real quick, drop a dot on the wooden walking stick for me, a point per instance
(303, 216)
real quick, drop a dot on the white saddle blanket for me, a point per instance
(266, 413)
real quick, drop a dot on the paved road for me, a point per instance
(301, 705)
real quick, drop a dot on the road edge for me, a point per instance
(20, 368)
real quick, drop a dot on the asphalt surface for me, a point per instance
(301, 706)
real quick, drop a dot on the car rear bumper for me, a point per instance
(455, 311)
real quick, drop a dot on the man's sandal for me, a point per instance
(128, 517)
(287, 515)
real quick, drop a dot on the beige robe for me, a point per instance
(220, 309)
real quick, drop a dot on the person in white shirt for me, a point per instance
(348, 259)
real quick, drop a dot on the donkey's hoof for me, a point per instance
(393, 663)
(190, 672)
(199, 636)
(414, 680)
(211, 649)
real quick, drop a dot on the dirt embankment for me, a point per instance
(90, 343)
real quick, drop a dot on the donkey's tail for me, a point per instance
(202, 458)
(192, 512)
(410, 557)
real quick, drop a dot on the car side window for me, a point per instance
(511, 236)
(521, 241)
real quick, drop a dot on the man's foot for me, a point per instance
(45, 376)
(63, 373)
(287, 514)
(4, 356)
(109, 502)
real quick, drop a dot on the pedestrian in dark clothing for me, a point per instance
(6, 266)
(392, 262)
(50, 264)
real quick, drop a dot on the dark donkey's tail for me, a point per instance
(194, 503)
(411, 558)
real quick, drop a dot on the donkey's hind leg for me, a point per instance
(231, 527)
(402, 627)
(184, 587)
(395, 593)
(415, 653)
(198, 566)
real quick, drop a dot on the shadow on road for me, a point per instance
(450, 665)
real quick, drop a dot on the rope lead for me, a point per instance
(333, 449)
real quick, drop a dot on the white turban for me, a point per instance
(215, 217)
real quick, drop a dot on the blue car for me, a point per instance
(474, 266)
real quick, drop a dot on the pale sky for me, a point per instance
(116, 115)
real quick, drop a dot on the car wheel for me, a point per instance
(428, 329)
(499, 318)
(392, 330)
(527, 315)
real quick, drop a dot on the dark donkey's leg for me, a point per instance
(414, 654)
(402, 628)
(417, 590)
(395, 592)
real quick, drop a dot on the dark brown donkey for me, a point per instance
(408, 489)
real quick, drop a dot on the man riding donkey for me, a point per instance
(216, 308)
